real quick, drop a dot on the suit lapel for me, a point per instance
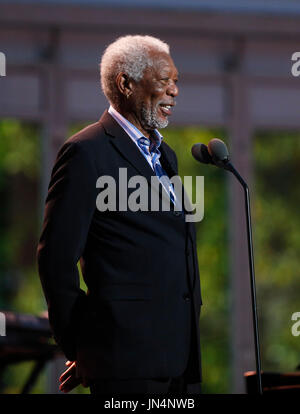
(128, 150)
(125, 146)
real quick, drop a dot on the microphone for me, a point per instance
(216, 153)
(201, 154)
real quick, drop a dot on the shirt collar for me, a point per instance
(132, 130)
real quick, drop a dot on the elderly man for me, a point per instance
(136, 329)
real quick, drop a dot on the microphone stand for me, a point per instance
(228, 166)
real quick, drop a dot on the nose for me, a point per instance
(172, 89)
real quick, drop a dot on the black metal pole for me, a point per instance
(231, 168)
(37, 369)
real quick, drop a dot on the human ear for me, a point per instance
(124, 85)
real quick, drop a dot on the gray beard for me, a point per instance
(150, 118)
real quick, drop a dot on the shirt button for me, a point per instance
(177, 213)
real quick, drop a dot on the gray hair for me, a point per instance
(129, 54)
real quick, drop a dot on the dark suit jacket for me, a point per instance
(141, 270)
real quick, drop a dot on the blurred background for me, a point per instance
(234, 60)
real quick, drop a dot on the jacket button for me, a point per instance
(186, 297)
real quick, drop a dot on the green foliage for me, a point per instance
(277, 245)
(20, 289)
(19, 148)
(16, 376)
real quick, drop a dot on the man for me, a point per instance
(136, 329)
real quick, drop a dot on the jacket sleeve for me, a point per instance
(70, 205)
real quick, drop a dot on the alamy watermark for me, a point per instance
(295, 69)
(2, 64)
(2, 324)
(132, 194)
(296, 326)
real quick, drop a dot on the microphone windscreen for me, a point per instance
(200, 153)
(218, 150)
